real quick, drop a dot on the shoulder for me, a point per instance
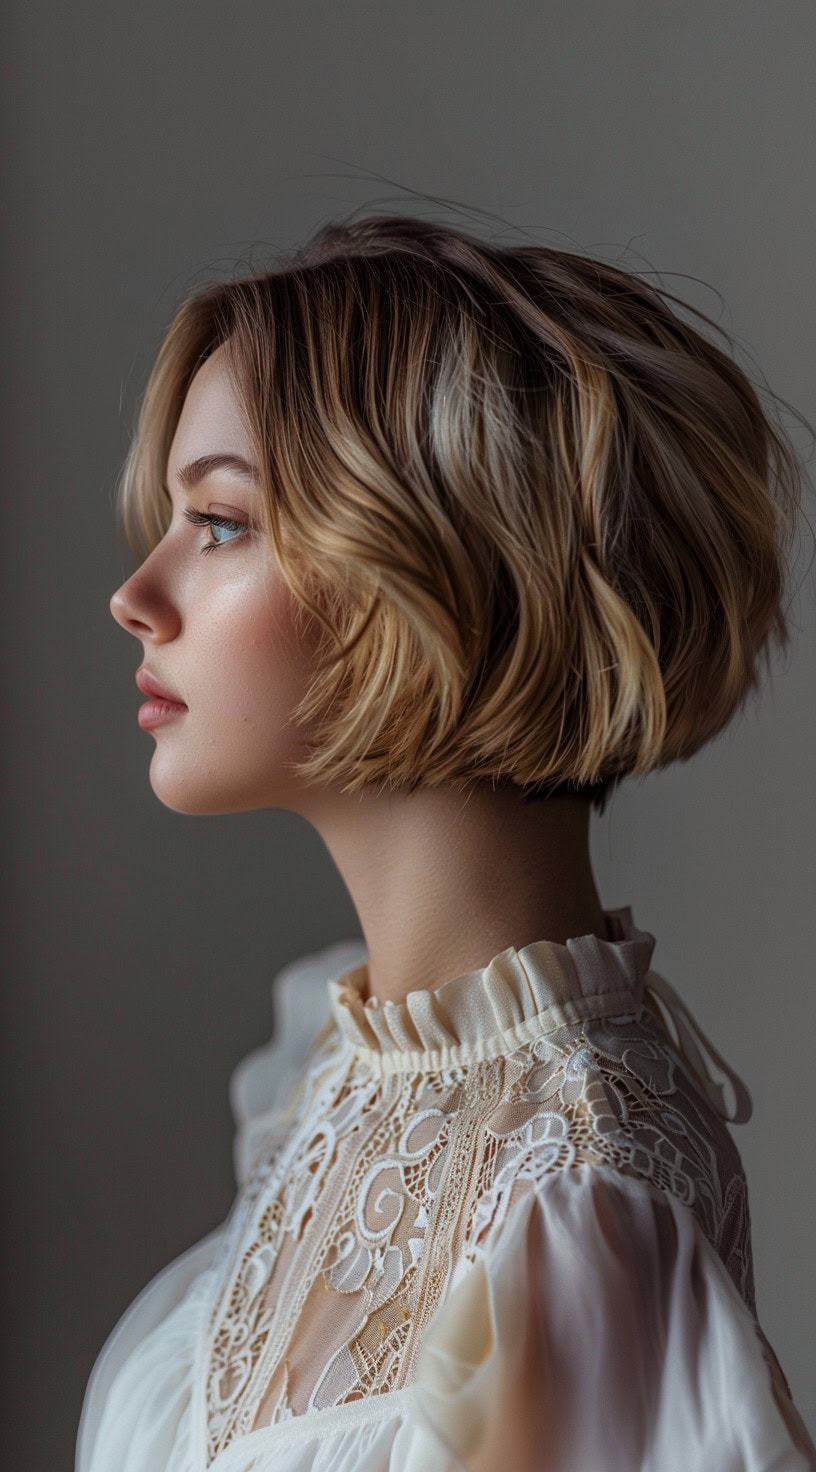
(613, 1092)
(600, 1323)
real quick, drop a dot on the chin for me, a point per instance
(191, 801)
(197, 790)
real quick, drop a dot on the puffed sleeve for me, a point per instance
(137, 1396)
(601, 1332)
(261, 1083)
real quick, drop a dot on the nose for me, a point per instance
(124, 610)
(142, 608)
(122, 607)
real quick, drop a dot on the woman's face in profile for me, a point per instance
(216, 625)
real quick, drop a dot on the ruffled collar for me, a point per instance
(522, 995)
(494, 1009)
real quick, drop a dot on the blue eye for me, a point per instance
(210, 519)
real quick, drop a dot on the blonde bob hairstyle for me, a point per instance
(541, 520)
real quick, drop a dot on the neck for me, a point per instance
(442, 881)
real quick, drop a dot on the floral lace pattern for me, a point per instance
(375, 1194)
(373, 1170)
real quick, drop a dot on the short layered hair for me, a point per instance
(541, 519)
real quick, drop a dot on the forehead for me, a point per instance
(211, 421)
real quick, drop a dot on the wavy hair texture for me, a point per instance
(541, 520)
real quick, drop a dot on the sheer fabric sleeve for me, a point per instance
(261, 1085)
(139, 1384)
(600, 1330)
(136, 1408)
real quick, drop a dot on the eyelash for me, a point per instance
(210, 518)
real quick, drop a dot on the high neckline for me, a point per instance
(517, 996)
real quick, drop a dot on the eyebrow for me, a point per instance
(197, 470)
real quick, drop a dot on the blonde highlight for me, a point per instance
(542, 521)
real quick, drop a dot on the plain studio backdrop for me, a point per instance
(152, 147)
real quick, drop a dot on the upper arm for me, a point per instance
(601, 1331)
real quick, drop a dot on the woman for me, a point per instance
(440, 541)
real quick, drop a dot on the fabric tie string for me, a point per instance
(687, 1030)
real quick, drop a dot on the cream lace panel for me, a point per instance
(327, 1284)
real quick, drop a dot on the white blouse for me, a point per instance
(500, 1224)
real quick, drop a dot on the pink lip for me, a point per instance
(157, 712)
(161, 708)
(149, 686)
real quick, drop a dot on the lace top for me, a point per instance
(503, 1222)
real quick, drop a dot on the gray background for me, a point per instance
(151, 147)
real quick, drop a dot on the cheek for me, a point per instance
(248, 663)
(259, 661)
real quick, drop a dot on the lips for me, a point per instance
(149, 686)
